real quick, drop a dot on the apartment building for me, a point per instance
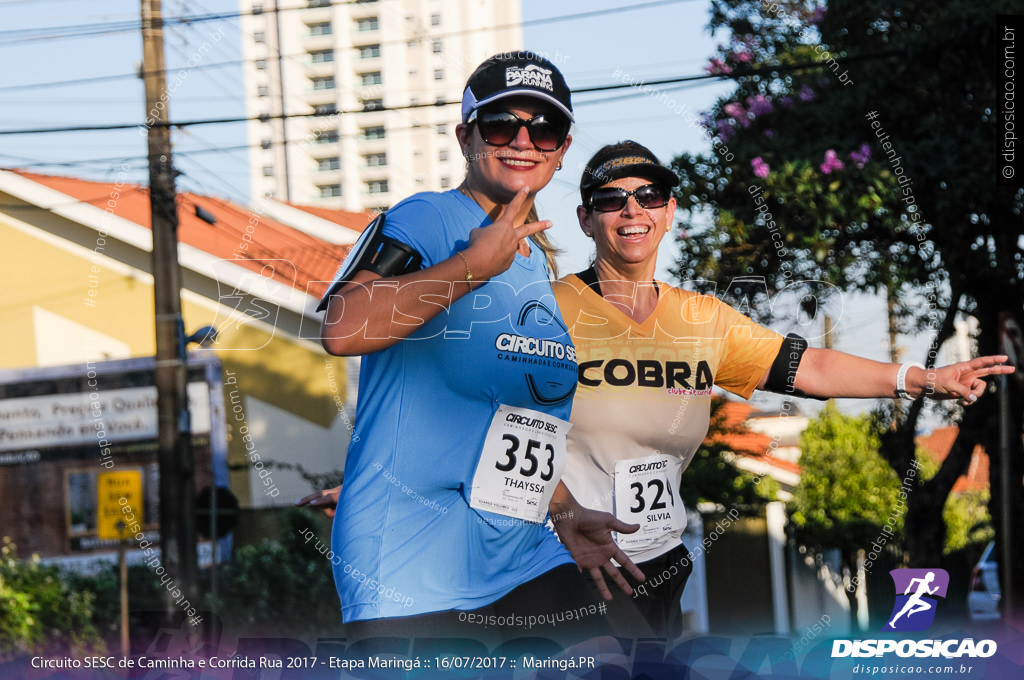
(376, 75)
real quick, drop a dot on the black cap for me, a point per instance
(624, 159)
(516, 74)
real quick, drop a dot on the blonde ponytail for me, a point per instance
(541, 240)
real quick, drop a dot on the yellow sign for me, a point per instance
(118, 503)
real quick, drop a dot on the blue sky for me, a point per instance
(664, 41)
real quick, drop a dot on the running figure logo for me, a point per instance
(915, 607)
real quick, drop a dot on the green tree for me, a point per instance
(847, 492)
(965, 513)
(867, 130)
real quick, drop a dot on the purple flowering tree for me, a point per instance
(868, 130)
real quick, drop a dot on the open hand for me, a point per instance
(587, 534)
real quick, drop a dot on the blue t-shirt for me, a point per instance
(406, 540)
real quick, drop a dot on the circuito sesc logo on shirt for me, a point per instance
(549, 364)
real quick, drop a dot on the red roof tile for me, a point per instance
(937, 446)
(310, 262)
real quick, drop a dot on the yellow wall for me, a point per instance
(285, 372)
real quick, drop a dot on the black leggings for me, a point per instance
(656, 613)
(558, 605)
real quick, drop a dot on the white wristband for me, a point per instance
(901, 379)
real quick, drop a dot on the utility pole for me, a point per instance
(177, 490)
(284, 115)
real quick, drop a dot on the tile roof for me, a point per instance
(937, 446)
(310, 261)
(731, 417)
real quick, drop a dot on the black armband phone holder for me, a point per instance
(782, 374)
(377, 253)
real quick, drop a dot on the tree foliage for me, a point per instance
(39, 612)
(846, 492)
(858, 148)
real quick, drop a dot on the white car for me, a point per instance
(983, 598)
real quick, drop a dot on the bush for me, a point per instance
(39, 610)
(282, 587)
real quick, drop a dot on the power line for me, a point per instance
(141, 74)
(734, 75)
(90, 30)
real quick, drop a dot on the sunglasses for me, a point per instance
(499, 128)
(610, 199)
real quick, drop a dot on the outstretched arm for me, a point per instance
(829, 373)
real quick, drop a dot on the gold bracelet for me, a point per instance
(469, 274)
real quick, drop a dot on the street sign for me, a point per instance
(118, 500)
(225, 507)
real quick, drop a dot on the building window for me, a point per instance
(261, 64)
(438, 74)
(259, 37)
(437, 45)
(371, 78)
(325, 109)
(377, 186)
(323, 83)
(369, 51)
(367, 24)
(268, 170)
(326, 164)
(321, 56)
(262, 91)
(446, 182)
(375, 132)
(320, 28)
(318, 3)
(257, 8)
(373, 104)
(440, 100)
(376, 160)
(329, 190)
(442, 129)
(435, 19)
(325, 137)
(442, 155)
(265, 144)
